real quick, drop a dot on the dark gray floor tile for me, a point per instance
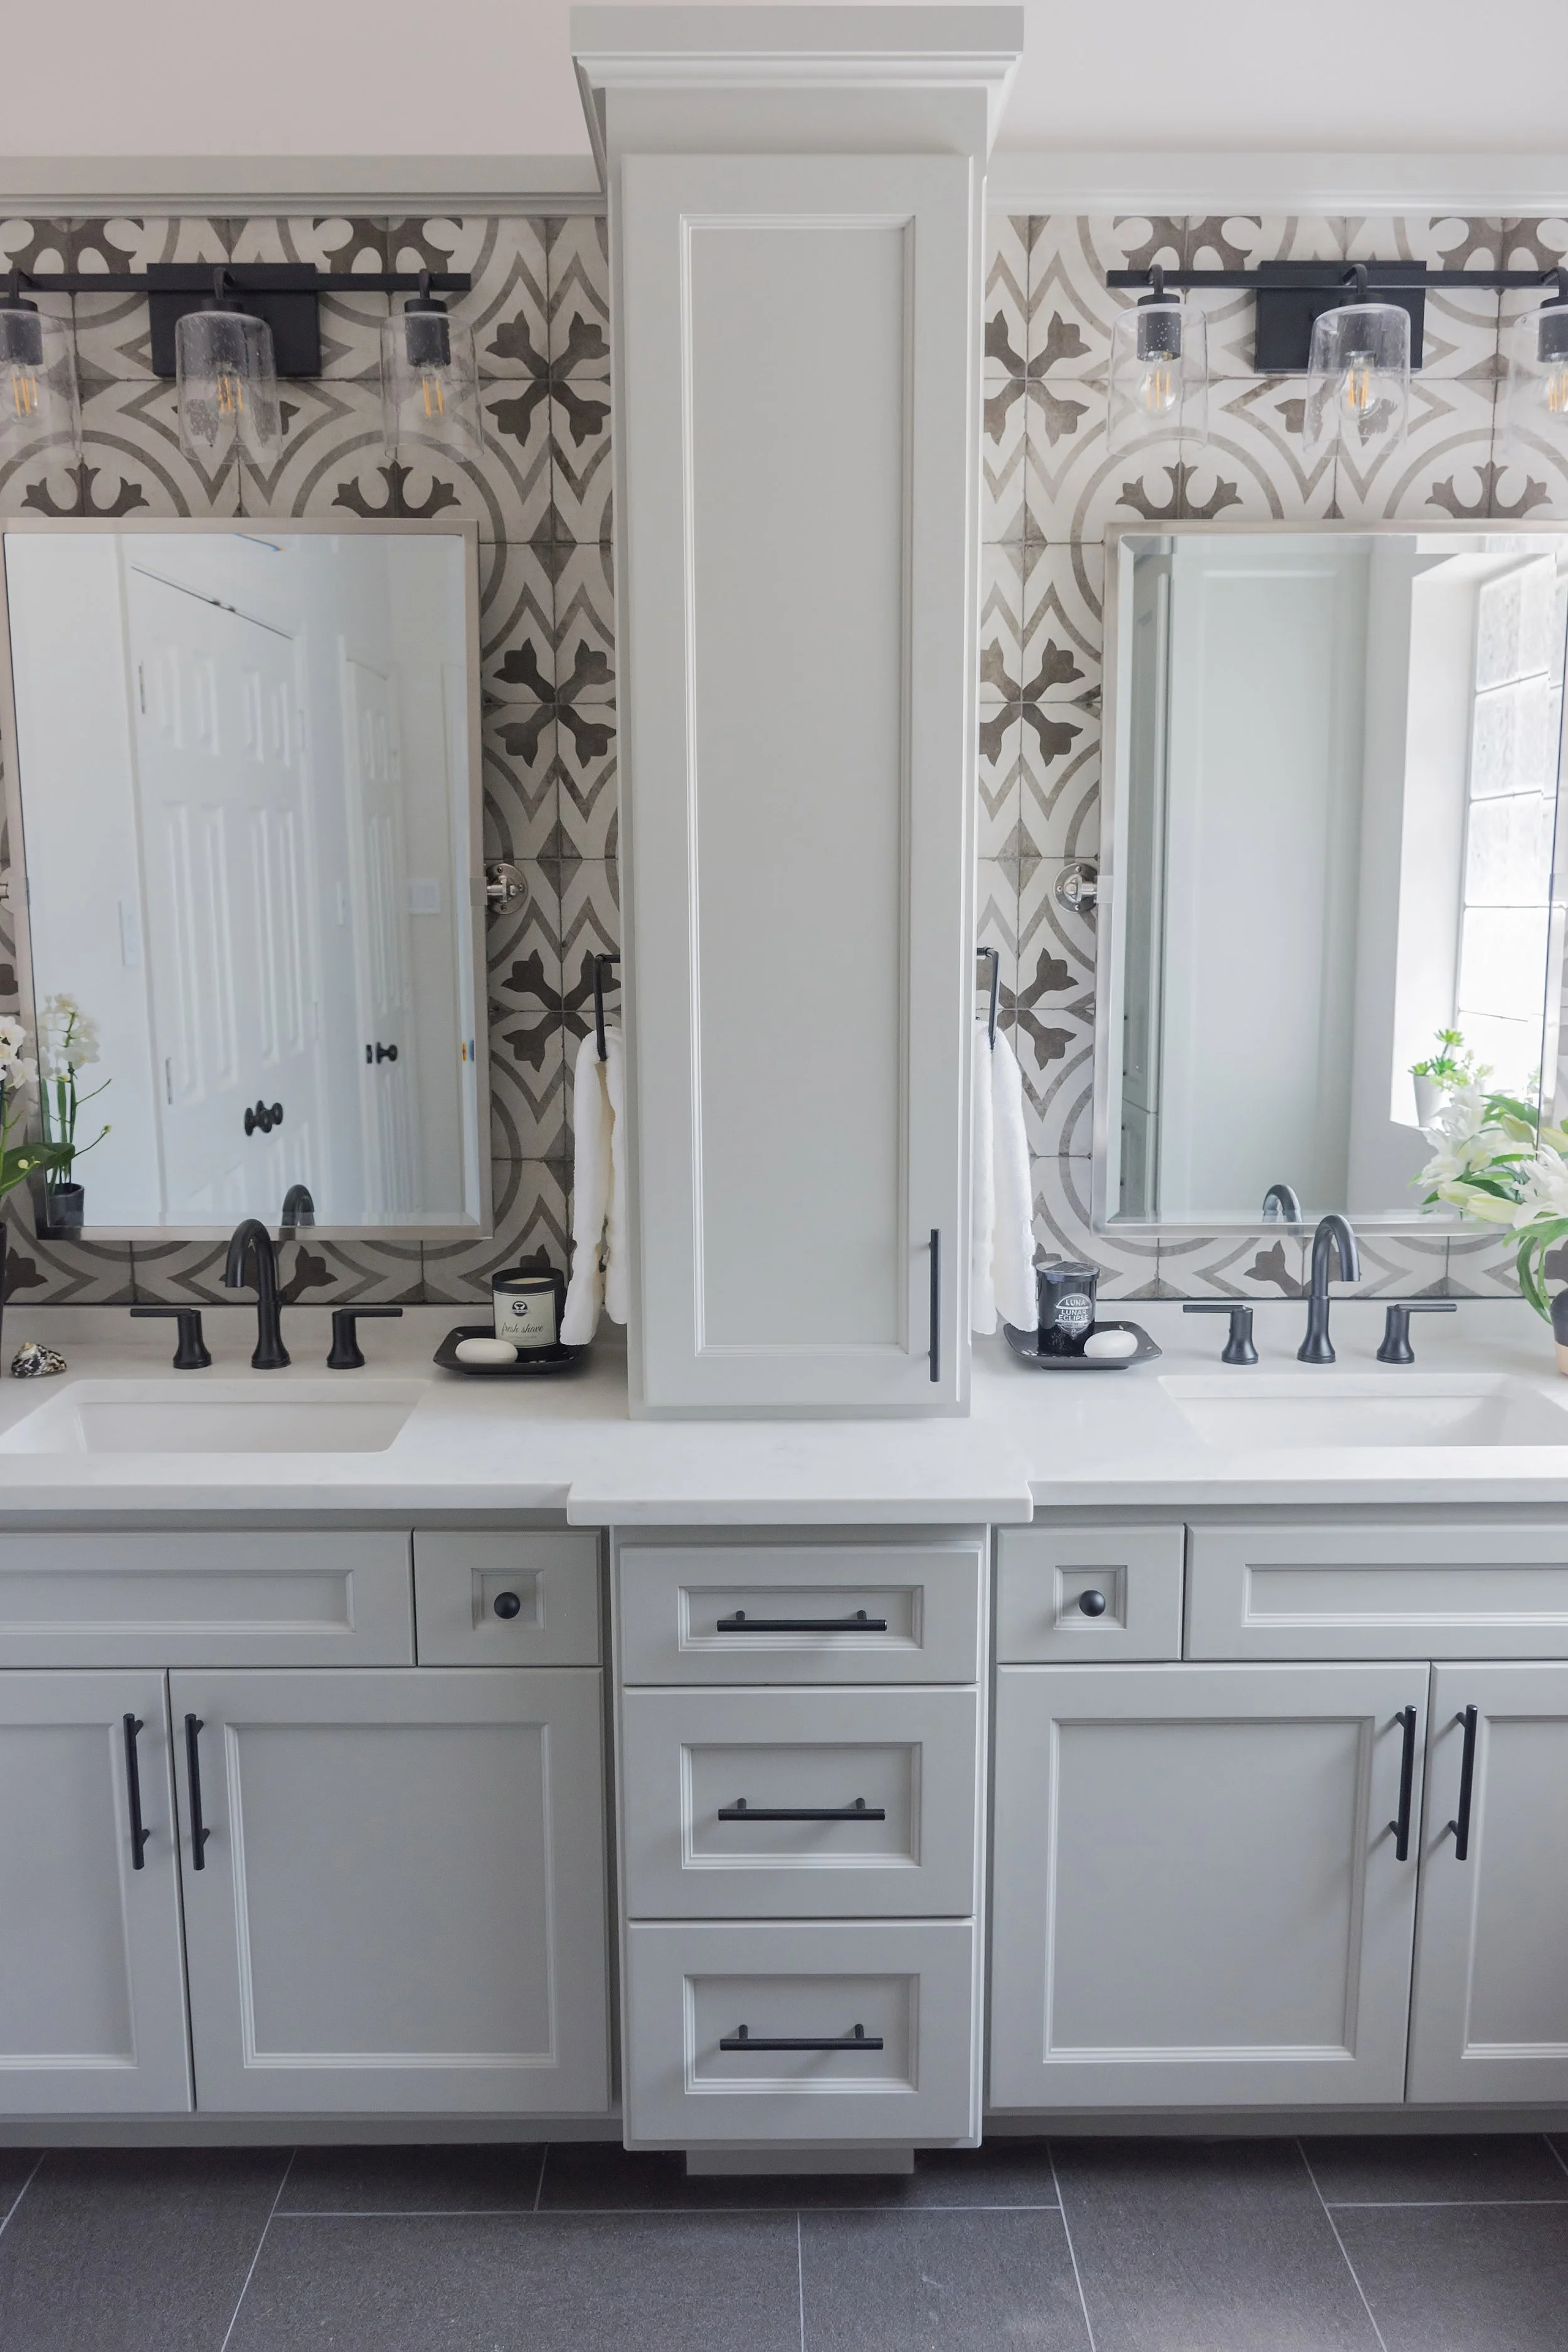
(934, 2282)
(17, 2166)
(118, 2250)
(1466, 2278)
(595, 2177)
(1489, 2167)
(1559, 2144)
(482, 2179)
(1221, 2244)
(677, 2283)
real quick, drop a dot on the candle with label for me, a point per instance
(527, 1301)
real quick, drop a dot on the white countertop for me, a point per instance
(1068, 1440)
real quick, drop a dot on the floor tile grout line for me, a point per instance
(1072, 2249)
(10, 2209)
(256, 2257)
(538, 2184)
(1344, 2253)
(800, 2277)
(1434, 2204)
(1556, 2151)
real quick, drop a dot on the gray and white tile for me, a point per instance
(1246, 241)
(1059, 805)
(1128, 1264)
(578, 269)
(516, 623)
(1003, 463)
(1461, 327)
(587, 795)
(532, 1221)
(585, 621)
(1442, 470)
(1006, 300)
(341, 247)
(505, 307)
(1072, 308)
(1254, 468)
(113, 333)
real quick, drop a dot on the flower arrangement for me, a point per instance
(68, 1041)
(1496, 1160)
(18, 1159)
(1453, 1063)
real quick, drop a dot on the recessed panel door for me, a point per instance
(400, 1902)
(1199, 1895)
(92, 2012)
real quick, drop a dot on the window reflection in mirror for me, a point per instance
(247, 809)
(1332, 793)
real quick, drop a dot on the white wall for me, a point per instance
(493, 77)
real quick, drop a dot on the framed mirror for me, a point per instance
(1331, 857)
(243, 776)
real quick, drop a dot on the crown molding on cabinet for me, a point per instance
(1106, 181)
(69, 185)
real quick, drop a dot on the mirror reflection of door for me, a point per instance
(221, 811)
(378, 866)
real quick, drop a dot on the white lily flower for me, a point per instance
(68, 1040)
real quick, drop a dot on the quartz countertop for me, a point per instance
(1047, 1441)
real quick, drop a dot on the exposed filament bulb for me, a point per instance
(1160, 388)
(230, 394)
(433, 397)
(1554, 391)
(1358, 384)
(24, 392)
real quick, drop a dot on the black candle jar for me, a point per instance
(1067, 1306)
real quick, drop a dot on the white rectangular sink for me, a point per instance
(1247, 1411)
(193, 1415)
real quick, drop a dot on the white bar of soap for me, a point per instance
(1101, 1344)
(486, 1352)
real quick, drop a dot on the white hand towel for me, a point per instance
(982, 1188)
(616, 1281)
(1013, 1256)
(590, 1153)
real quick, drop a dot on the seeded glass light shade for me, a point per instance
(430, 383)
(1159, 375)
(40, 409)
(227, 388)
(1537, 402)
(1358, 378)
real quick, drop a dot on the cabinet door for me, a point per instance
(1490, 2018)
(796, 592)
(92, 1998)
(400, 1906)
(1197, 1895)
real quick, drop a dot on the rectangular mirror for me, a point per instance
(1334, 763)
(245, 794)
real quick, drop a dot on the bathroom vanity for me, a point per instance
(776, 1797)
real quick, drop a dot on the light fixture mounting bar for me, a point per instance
(1292, 295)
(285, 294)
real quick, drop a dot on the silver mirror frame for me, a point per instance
(1113, 817)
(16, 899)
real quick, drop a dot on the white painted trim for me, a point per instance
(68, 186)
(1070, 180)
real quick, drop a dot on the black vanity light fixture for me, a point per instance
(1356, 331)
(225, 334)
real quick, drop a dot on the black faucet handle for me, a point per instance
(1238, 1347)
(190, 1353)
(346, 1354)
(1396, 1348)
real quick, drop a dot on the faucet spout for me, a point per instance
(252, 1246)
(1333, 1239)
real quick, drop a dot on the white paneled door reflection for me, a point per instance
(378, 863)
(222, 822)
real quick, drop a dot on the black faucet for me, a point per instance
(299, 1209)
(252, 1241)
(1281, 1202)
(1333, 1237)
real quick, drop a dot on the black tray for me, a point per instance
(1026, 1345)
(555, 1359)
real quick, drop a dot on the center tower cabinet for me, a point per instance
(795, 209)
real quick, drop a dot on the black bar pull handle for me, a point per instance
(744, 2038)
(1460, 1824)
(859, 1623)
(199, 1831)
(859, 1811)
(935, 1303)
(1401, 1827)
(138, 1834)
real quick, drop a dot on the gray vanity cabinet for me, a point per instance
(1491, 2015)
(1197, 1899)
(92, 2017)
(400, 1906)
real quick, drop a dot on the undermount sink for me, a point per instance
(1258, 1411)
(192, 1416)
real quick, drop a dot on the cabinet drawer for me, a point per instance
(908, 1984)
(1378, 1592)
(221, 1598)
(830, 1612)
(465, 1585)
(1042, 1574)
(692, 1759)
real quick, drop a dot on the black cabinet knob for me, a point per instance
(1091, 1602)
(507, 1605)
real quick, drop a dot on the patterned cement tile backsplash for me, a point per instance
(540, 310)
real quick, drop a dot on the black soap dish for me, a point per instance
(558, 1358)
(1025, 1344)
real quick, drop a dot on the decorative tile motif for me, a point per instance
(532, 1221)
(579, 461)
(1441, 471)
(56, 1273)
(517, 624)
(1053, 1033)
(1461, 330)
(1072, 308)
(996, 925)
(1129, 1267)
(1245, 241)
(587, 795)
(311, 1272)
(585, 621)
(521, 799)
(1059, 801)
(112, 336)
(1006, 300)
(590, 926)
(1268, 1264)
(578, 269)
(997, 772)
(1254, 468)
(1400, 1265)
(505, 307)
(528, 1088)
(350, 323)
(1003, 415)
(132, 463)
(1481, 1265)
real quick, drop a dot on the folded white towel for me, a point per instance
(590, 1190)
(1001, 1176)
(616, 1281)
